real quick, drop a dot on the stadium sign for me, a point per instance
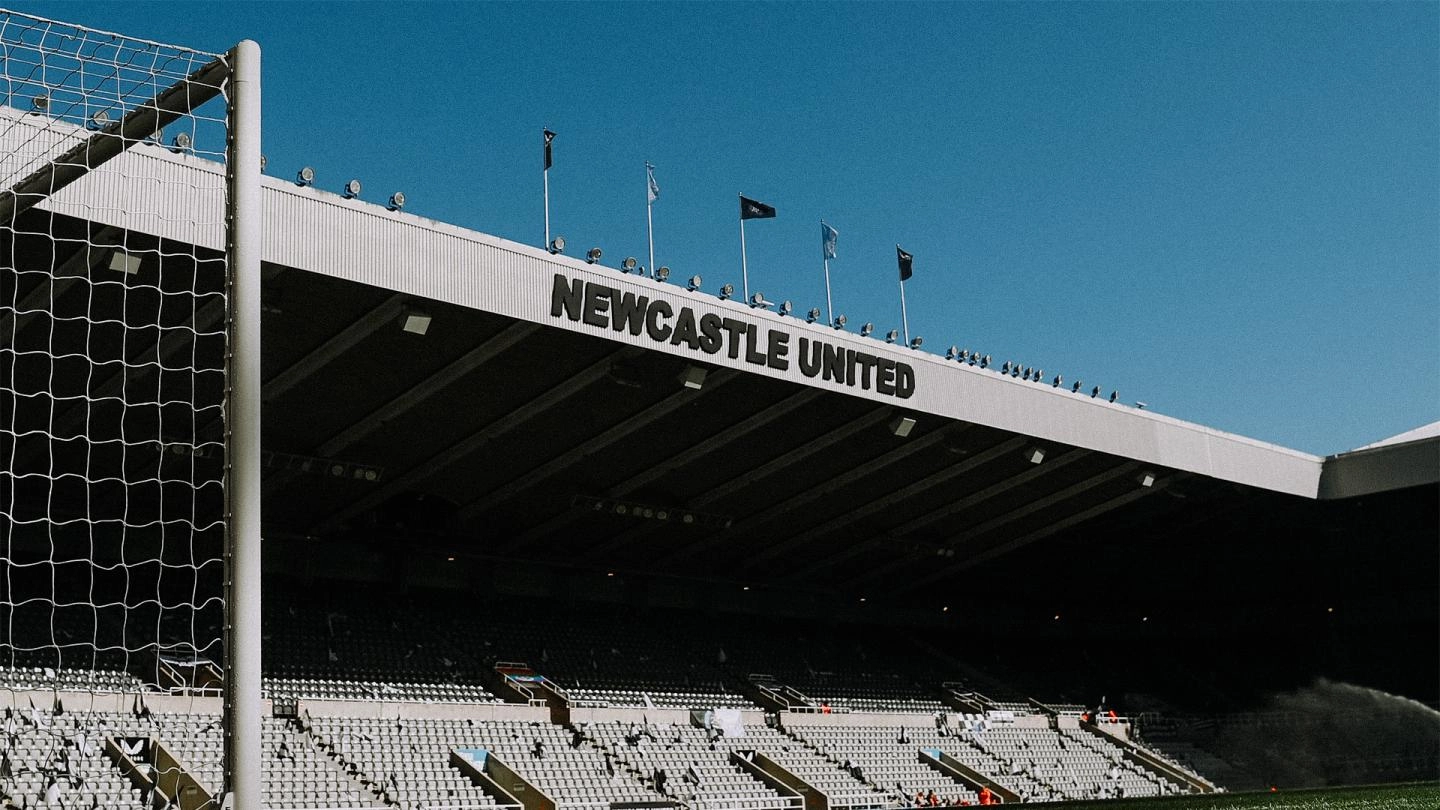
(604, 307)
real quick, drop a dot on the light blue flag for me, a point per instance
(653, 189)
(828, 237)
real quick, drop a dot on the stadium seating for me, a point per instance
(697, 770)
(55, 760)
(405, 763)
(98, 681)
(883, 759)
(429, 649)
(381, 691)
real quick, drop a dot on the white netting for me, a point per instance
(113, 316)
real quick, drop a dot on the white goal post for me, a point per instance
(129, 379)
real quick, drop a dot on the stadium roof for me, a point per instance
(555, 410)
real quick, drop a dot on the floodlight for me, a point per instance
(416, 322)
(1005, 369)
(264, 161)
(1038, 376)
(916, 341)
(629, 264)
(785, 307)
(726, 291)
(305, 177)
(758, 300)
(1057, 381)
(1146, 479)
(593, 255)
(125, 263)
(840, 321)
(352, 189)
(1141, 405)
(1015, 370)
(557, 245)
(40, 104)
(1114, 395)
(182, 142)
(985, 361)
(99, 120)
(397, 201)
(662, 274)
(693, 284)
(1075, 389)
(892, 336)
(866, 329)
(1095, 392)
(813, 315)
(951, 352)
(902, 425)
(693, 377)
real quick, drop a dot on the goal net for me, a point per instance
(115, 319)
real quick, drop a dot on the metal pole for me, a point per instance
(829, 308)
(242, 583)
(547, 209)
(904, 317)
(744, 266)
(650, 227)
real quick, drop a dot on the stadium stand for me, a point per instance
(405, 763)
(883, 759)
(696, 767)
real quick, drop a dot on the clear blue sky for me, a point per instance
(1230, 211)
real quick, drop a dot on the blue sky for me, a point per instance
(1229, 211)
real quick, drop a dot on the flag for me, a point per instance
(828, 237)
(549, 159)
(905, 260)
(750, 209)
(652, 189)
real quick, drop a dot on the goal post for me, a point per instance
(243, 772)
(130, 239)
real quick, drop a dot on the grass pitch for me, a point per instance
(1373, 797)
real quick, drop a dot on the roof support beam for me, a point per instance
(395, 408)
(1019, 513)
(337, 345)
(687, 456)
(77, 266)
(781, 462)
(906, 586)
(998, 488)
(885, 501)
(637, 421)
(440, 461)
(971, 500)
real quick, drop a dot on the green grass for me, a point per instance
(1375, 797)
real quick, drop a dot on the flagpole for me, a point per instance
(829, 307)
(547, 208)
(744, 265)
(904, 317)
(649, 218)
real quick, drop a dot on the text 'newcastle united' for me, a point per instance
(602, 306)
